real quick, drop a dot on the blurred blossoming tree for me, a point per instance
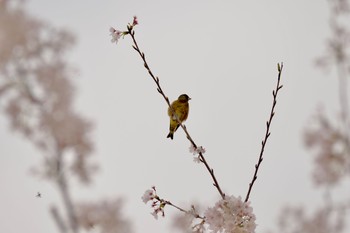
(329, 140)
(36, 95)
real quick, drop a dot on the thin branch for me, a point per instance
(62, 185)
(160, 90)
(58, 220)
(267, 132)
(183, 210)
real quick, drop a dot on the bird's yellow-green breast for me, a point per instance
(180, 107)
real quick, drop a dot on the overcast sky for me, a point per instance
(224, 55)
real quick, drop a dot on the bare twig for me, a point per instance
(160, 90)
(267, 132)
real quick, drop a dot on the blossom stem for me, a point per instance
(267, 132)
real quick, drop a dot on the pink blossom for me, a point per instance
(196, 159)
(155, 215)
(116, 34)
(148, 195)
(196, 151)
(135, 21)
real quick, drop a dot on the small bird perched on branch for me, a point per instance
(180, 107)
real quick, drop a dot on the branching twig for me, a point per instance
(159, 89)
(267, 133)
(158, 204)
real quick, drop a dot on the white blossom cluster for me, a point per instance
(197, 151)
(231, 215)
(157, 203)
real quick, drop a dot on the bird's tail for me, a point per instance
(170, 135)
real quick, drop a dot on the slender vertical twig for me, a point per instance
(58, 220)
(62, 185)
(160, 90)
(267, 132)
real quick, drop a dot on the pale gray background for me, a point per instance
(221, 53)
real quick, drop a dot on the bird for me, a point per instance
(38, 195)
(180, 107)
